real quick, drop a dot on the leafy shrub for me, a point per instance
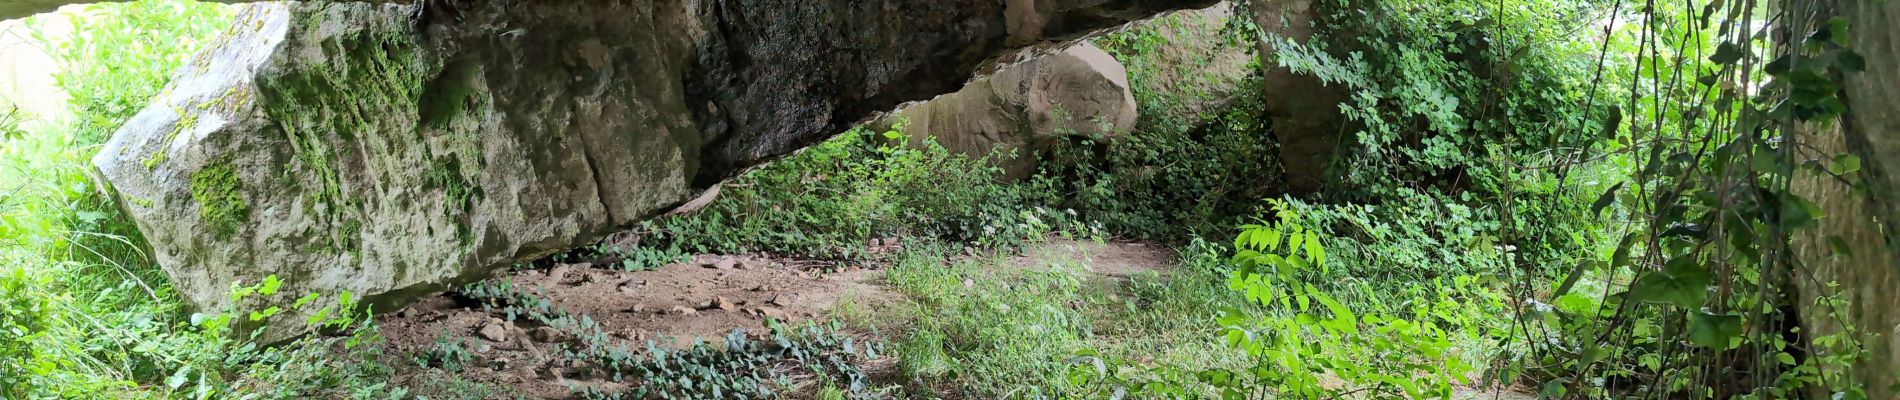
(1195, 164)
(830, 200)
(1171, 183)
(1310, 343)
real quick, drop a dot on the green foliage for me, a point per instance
(832, 199)
(92, 316)
(11, 118)
(1698, 300)
(1201, 157)
(992, 333)
(24, 318)
(1306, 342)
(120, 55)
(1450, 96)
(747, 368)
(448, 354)
(1169, 183)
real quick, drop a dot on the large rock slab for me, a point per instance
(394, 150)
(1026, 109)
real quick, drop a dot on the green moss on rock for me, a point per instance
(217, 190)
(341, 112)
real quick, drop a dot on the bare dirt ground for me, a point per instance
(671, 306)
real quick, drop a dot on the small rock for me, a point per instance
(638, 307)
(403, 313)
(773, 313)
(724, 304)
(780, 300)
(682, 310)
(632, 334)
(590, 278)
(967, 283)
(484, 348)
(726, 263)
(546, 335)
(494, 331)
(559, 273)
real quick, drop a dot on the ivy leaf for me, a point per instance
(1844, 163)
(270, 285)
(1594, 353)
(1575, 274)
(1780, 66)
(1554, 389)
(1714, 331)
(1604, 201)
(1837, 30)
(178, 378)
(1666, 288)
(1840, 247)
(1622, 255)
(1798, 212)
(1849, 61)
(1610, 125)
(1709, 10)
(1726, 53)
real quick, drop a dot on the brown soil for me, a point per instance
(1115, 260)
(671, 306)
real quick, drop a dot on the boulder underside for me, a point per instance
(391, 150)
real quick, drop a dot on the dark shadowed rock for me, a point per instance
(388, 152)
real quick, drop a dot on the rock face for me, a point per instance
(1192, 72)
(393, 150)
(1026, 109)
(1863, 218)
(1304, 109)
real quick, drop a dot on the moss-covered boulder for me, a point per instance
(391, 150)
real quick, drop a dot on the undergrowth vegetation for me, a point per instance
(1502, 210)
(87, 314)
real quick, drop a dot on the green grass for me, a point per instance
(85, 313)
(987, 327)
(995, 327)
